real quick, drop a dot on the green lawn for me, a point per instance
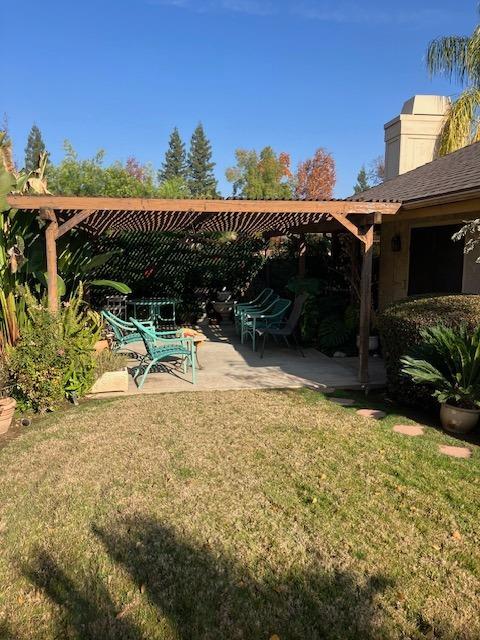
(235, 515)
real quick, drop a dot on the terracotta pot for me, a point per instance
(457, 420)
(101, 345)
(7, 409)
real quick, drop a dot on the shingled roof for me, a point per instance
(452, 174)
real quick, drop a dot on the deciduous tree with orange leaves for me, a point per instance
(315, 178)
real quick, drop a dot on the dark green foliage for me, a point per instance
(175, 164)
(362, 181)
(448, 361)
(329, 320)
(201, 179)
(35, 147)
(400, 327)
(190, 267)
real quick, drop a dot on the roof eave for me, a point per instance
(443, 198)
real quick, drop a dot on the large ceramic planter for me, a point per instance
(111, 382)
(458, 420)
(7, 409)
(373, 343)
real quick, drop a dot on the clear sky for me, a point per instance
(293, 74)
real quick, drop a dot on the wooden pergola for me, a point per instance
(98, 215)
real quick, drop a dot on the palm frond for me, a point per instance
(448, 56)
(462, 124)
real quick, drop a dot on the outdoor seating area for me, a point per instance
(227, 363)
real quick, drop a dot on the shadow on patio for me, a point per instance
(228, 365)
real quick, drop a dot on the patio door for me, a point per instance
(436, 261)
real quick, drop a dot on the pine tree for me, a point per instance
(175, 163)
(201, 178)
(35, 146)
(362, 181)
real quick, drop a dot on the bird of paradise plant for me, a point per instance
(13, 228)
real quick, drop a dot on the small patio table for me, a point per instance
(199, 339)
(154, 307)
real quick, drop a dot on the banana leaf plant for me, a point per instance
(22, 249)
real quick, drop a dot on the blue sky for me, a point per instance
(294, 74)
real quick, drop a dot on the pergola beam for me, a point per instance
(51, 234)
(365, 304)
(76, 203)
(74, 220)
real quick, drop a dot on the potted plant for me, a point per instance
(111, 371)
(7, 404)
(448, 360)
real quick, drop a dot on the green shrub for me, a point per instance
(37, 365)
(400, 327)
(54, 358)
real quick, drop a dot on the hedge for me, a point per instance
(399, 327)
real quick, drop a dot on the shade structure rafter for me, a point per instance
(98, 215)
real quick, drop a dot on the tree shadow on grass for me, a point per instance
(204, 595)
(86, 612)
(200, 594)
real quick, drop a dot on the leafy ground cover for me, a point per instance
(253, 514)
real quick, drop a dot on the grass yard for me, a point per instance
(235, 515)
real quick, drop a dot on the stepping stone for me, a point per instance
(455, 452)
(376, 414)
(344, 402)
(408, 429)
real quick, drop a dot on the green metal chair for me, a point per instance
(254, 310)
(259, 302)
(125, 333)
(268, 319)
(159, 348)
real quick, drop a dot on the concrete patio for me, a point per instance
(228, 365)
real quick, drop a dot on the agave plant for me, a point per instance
(449, 361)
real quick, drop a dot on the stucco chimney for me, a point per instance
(411, 137)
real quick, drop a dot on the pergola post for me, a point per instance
(365, 303)
(302, 255)
(51, 233)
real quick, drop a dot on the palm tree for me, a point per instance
(458, 58)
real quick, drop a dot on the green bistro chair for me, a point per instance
(268, 319)
(255, 310)
(260, 301)
(260, 309)
(159, 348)
(125, 333)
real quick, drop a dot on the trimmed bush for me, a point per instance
(400, 325)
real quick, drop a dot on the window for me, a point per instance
(436, 261)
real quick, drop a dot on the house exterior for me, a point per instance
(417, 253)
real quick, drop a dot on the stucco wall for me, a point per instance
(394, 266)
